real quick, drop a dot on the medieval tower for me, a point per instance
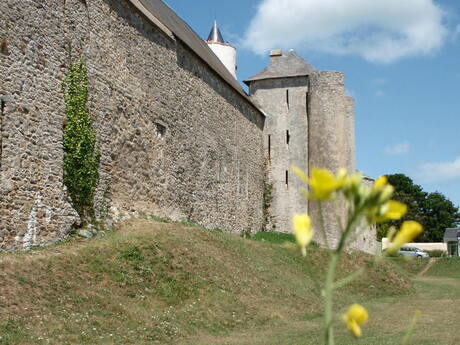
(281, 90)
(309, 123)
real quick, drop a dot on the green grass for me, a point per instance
(436, 298)
(445, 267)
(10, 332)
(273, 237)
(167, 283)
(409, 265)
(277, 238)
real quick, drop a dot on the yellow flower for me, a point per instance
(386, 193)
(391, 210)
(323, 183)
(302, 231)
(352, 184)
(409, 230)
(355, 316)
(380, 183)
(382, 189)
(394, 210)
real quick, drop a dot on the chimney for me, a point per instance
(275, 54)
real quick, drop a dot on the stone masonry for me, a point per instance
(178, 136)
(176, 140)
(283, 96)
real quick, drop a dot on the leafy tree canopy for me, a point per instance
(433, 210)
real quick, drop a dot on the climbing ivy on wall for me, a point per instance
(81, 157)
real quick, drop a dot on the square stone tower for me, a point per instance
(310, 123)
(281, 90)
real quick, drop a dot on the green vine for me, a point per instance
(267, 199)
(81, 157)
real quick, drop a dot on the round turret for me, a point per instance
(224, 51)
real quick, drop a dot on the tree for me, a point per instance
(439, 213)
(433, 210)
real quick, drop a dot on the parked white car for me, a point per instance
(413, 251)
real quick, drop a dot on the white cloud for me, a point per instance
(441, 171)
(398, 149)
(380, 93)
(378, 30)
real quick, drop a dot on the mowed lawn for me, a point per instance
(152, 282)
(437, 297)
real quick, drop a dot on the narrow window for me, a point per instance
(287, 98)
(288, 137)
(287, 178)
(306, 103)
(269, 146)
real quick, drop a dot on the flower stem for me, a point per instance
(322, 226)
(328, 299)
(329, 287)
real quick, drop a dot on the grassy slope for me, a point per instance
(409, 265)
(445, 267)
(153, 282)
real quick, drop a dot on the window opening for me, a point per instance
(288, 136)
(269, 146)
(287, 98)
(287, 177)
(306, 103)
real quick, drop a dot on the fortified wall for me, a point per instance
(176, 138)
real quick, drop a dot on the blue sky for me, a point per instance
(401, 61)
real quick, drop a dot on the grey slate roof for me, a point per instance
(185, 33)
(451, 234)
(289, 65)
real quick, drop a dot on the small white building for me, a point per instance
(423, 246)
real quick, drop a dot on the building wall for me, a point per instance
(286, 144)
(175, 139)
(422, 246)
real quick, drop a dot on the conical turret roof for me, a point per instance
(215, 35)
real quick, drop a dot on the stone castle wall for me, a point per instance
(176, 140)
